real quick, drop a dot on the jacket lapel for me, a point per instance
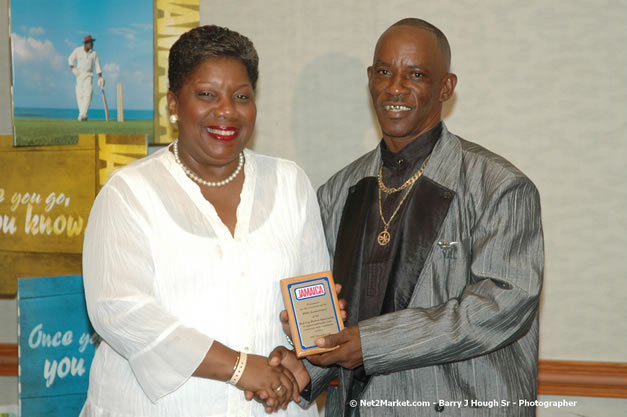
(426, 211)
(349, 250)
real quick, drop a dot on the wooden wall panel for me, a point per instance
(31, 264)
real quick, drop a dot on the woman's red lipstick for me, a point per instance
(222, 133)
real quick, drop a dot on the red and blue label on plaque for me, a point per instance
(56, 346)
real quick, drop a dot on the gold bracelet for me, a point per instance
(239, 355)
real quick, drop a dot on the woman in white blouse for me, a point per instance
(184, 250)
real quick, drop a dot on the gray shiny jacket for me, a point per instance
(467, 345)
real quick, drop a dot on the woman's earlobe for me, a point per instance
(172, 107)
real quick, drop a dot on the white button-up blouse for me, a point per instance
(164, 277)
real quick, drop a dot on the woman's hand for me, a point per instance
(276, 382)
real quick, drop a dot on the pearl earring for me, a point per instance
(174, 118)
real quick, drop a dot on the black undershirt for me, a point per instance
(378, 295)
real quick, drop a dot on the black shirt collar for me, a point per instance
(414, 152)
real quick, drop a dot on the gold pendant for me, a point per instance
(383, 238)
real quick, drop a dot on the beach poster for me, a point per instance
(81, 68)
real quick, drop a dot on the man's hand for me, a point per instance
(75, 71)
(280, 356)
(101, 82)
(276, 382)
(285, 318)
(347, 355)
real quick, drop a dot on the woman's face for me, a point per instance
(216, 110)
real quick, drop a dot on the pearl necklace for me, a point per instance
(191, 174)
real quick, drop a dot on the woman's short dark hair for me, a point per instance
(206, 42)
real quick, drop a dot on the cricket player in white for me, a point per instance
(86, 58)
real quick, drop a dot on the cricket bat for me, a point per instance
(104, 100)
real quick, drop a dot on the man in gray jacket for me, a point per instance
(438, 245)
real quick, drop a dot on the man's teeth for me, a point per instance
(221, 132)
(396, 107)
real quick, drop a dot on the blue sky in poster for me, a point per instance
(44, 33)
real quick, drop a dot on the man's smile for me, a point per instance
(396, 107)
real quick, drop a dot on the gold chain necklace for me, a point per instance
(384, 237)
(407, 183)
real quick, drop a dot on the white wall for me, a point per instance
(8, 312)
(540, 82)
(6, 127)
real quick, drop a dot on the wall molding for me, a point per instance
(585, 379)
(8, 360)
(570, 378)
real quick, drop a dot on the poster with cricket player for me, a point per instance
(81, 68)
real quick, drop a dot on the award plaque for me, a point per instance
(313, 310)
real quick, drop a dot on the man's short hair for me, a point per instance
(445, 48)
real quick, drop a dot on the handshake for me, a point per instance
(284, 377)
(280, 378)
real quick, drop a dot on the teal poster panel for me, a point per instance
(56, 346)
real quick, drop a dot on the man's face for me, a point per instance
(408, 83)
(88, 45)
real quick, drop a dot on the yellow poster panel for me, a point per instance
(45, 196)
(115, 151)
(172, 19)
(46, 193)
